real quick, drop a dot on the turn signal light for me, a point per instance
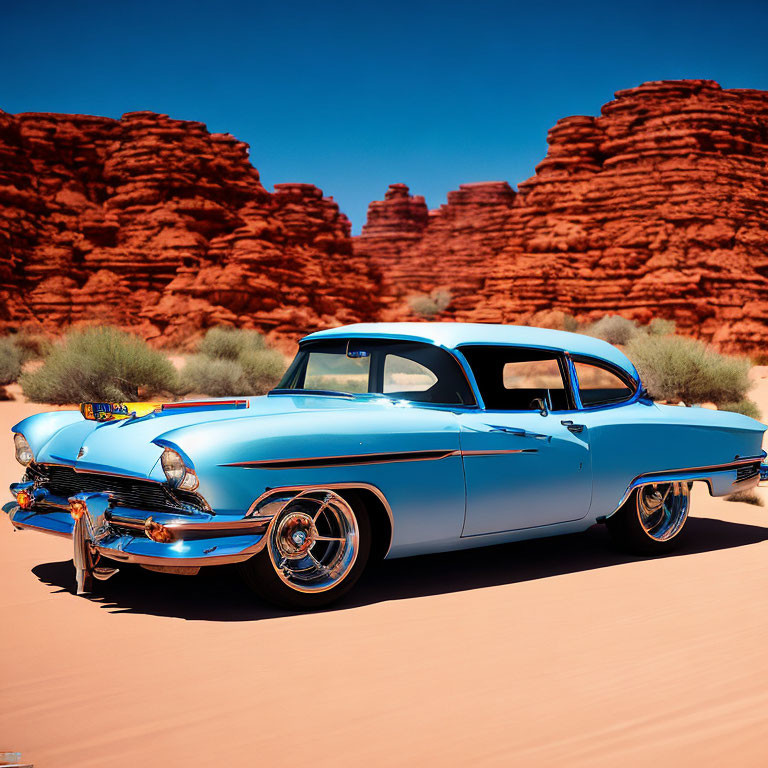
(77, 509)
(24, 499)
(158, 532)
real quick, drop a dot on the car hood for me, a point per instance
(129, 446)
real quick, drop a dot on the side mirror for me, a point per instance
(541, 405)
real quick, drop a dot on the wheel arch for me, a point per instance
(371, 498)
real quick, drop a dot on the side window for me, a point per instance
(404, 375)
(515, 378)
(337, 372)
(599, 386)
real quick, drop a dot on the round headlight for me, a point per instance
(179, 475)
(24, 453)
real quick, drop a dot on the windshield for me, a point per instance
(402, 370)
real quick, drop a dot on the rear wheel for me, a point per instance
(652, 520)
(317, 548)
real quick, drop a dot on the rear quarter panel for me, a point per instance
(631, 440)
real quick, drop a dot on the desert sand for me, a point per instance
(554, 652)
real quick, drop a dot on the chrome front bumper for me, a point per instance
(119, 534)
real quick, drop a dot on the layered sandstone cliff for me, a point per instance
(159, 225)
(657, 208)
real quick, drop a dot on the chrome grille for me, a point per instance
(126, 491)
(747, 470)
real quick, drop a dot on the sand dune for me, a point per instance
(558, 652)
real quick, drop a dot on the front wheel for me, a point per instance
(317, 548)
(652, 520)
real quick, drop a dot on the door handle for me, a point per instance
(517, 431)
(571, 427)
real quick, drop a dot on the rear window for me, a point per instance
(600, 386)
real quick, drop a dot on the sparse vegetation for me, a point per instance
(746, 497)
(99, 364)
(430, 304)
(747, 407)
(232, 362)
(675, 368)
(614, 329)
(11, 358)
(226, 343)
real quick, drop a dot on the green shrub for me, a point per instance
(431, 304)
(232, 362)
(211, 376)
(570, 323)
(747, 407)
(676, 368)
(230, 343)
(33, 346)
(614, 329)
(99, 364)
(660, 327)
(11, 358)
(262, 370)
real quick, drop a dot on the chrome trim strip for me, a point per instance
(347, 460)
(330, 487)
(235, 526)
(84, 471)
(675, 475)
(493, 453)
(30, 527)
(130, 557)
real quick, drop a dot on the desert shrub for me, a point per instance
(761, 358)
(99, 364)
(212, 376)
(262, 370)
(747, 497)
(230, 343)
(660, 327)
(232, 362)
(677, 368)
(33, 346)
(430, 304)
(747, 407)
(11, 358)
(614, 329)
(570, 323)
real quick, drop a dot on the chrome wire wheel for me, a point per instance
(662, 509)
(314, 541)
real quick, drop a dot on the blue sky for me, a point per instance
(352, 96)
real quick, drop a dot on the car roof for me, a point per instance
(454, 335)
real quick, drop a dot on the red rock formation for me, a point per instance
(657, 208)
(158, 225)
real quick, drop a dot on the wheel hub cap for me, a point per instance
(295, 535)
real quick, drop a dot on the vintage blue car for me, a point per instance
(382, 440)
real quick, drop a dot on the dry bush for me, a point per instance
(431, 304)
(99, 364)
(227, 343)
(232, 362)
(614, 329)
(11, 358)
(677, 368)
(747, 407)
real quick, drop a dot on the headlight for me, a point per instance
(179, 475)
(24, 453)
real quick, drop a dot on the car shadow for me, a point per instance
(218, 594)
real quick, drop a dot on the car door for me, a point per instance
(527, 464)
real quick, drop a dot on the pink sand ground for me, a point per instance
(550, 653)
